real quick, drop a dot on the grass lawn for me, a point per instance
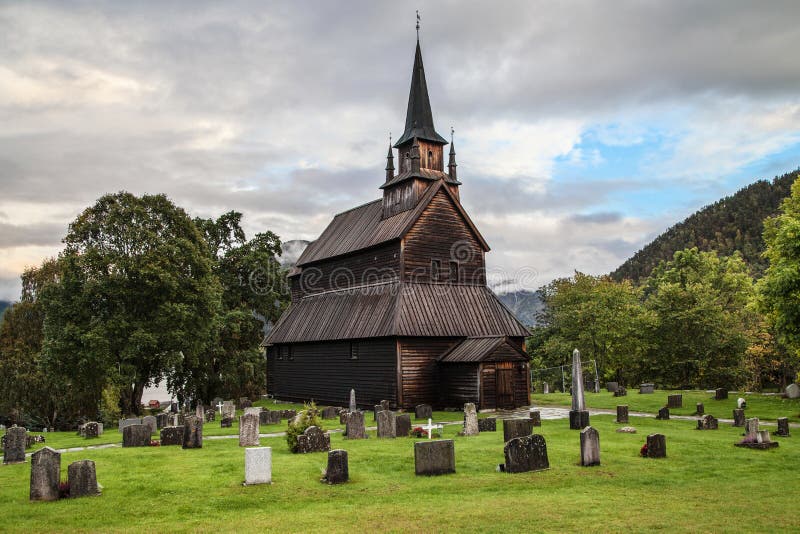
(765, 407)
(705, 484)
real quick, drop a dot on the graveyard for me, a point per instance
(173, 489)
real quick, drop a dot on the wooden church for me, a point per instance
(392, 301)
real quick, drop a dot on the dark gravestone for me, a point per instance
(489, 424)
(226, 422)
(343, 417)
(211, 415)
(402, 425)
(423, 411)
(128, 422)
(675, 401)
(387, 424)
(663, 414)
(738, 417)
(656, 446)
(646, 389)
(245, 403)
(288, 414)
(150, 422)
(263, 417)
(338, 471)
(14, 445)
(274, 418)
(248, 430)
(313, 439)
(700, 409)
(536, 417)
(590, 447)
(375, 410)
(437, 457)
(612, 387)
(516, 428)
(622, 413)
(355, 425)
(136, 436)
(525, 453)
(91, 429)
(82, 479)
(385, 405)
(45, 475)
(708, 422)
(192, 433)
(329, 412)
(783, 427)
(621, 392)
(171, 435)
(578, 419)
(720, 394)
(162, 420)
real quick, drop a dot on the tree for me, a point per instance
(136, 296)
(780, 286)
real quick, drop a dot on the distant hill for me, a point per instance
(734, 223)
(524, 304)
(3, 305)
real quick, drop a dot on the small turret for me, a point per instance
(451, 165)
(415, 156)
(390, 164)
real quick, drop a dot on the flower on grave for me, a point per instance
(643, 450)
(418, 432)
(63, 489)
(748, 439)
(155, 443)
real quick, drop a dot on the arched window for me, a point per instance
(430, 159)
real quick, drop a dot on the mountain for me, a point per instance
(733, 223)
(524, 304)
(291, 251)
(3, 305)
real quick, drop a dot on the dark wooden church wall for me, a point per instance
(441, 234)
(459, 384)
(326, 372)
(488, 386)
(522, 394)
(419, 369)
(380, 263)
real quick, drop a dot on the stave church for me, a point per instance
(391, 300)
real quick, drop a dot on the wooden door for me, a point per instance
(505, 385)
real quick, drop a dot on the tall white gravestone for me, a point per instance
(578, 416)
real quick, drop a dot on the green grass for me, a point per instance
(765, 407)
(706, 484)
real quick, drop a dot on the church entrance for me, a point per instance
(504, 384)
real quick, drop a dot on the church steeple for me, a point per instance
(451, 165)
(419, 117)
(390, 164)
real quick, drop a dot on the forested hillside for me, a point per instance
(3, 305)
(730, 224)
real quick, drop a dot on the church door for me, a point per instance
(505, 385)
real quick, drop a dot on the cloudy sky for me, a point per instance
(583, 129)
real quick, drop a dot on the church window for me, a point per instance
(436, 266)
(353, 350)
(454, 271)
(430, 158)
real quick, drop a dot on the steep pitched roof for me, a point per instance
(419, 117)
(477, 349)
(364, 227)
(396, 309)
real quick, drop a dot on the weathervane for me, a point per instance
(390, 138)
(418, 25)
(452, 133)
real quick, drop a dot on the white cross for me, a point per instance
(430, 427)
(219, 405)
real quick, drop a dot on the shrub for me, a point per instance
(308, 416)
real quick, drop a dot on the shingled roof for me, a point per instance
(396, 309)
(364, 226)
(419, 117)
(478, 349)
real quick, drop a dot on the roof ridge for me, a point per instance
(365, 204)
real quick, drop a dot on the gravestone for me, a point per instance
(578, 416)
(245, 403)
(45, 475)
(488, 424)
(343, 417)
(792, 391)
(313, 439)
(258, 466)
(402, 425)
(783, 427)
(437, 457)
(470, 420)
(646, 389)
(253, 410)
(355, 425)
(375, 410)
(136, 436)
(536, 417)
(338, 471)
(751, 427)
(720, 394)
(386, 424)
(663, 414)
(385, 405)
(738, 417)
(612, 387)
(423, 411)
(329, 412)
(700, 409)
(82, 478)
(741, 403)
(621, 392)
(162, 420)
(228, 409)
(675, 401)
(91, 429)
(274, 418)
(211, 415)
(516, 428)
(545, 388)
(622, 413)
(248, 430)
(171, 435)
(707, 422)
(128, 422)
(150, 422)
(590, 447)
(200, 412)
(656, 446)
(192, 433)
(760, 440)
(288, 414)
(226, 422)
(353, 407)
(263, 417)
(525, 453)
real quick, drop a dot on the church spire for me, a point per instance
(390, 162)
(451, 165)
(419, 117)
